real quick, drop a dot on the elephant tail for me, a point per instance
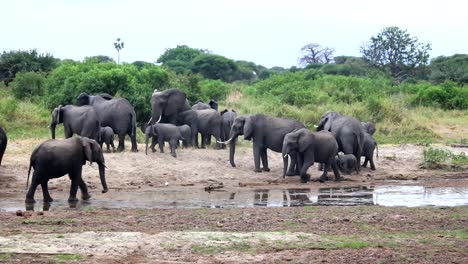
(377, 148)
(29, 172)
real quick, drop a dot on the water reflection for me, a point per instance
(244, 198)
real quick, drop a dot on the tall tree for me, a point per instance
(314, 53)
(394, 51)
(118, 46)
(180, 59)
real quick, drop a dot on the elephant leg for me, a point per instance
(324, 176)
(173, 145)
(264, 156)
(154, 141)
(67, 131)
(365, 162)
(107, 147)
(45, 192)
(203, 141)
(336, 171)
(372, 165)
(75, 178)
(32, 188)
(161, 144)
(121, 146)
(84, 190)
(305, 177)
(112, 145)
(256, 153)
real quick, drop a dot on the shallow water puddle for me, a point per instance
(410, 196)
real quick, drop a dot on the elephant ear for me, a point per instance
(303, 141)
(248, 128)
(175, 102)
(224, 111)
(87, 149)
(329, 121)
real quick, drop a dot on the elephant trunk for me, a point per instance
(102, 175)
(232, 150)
(52, 130)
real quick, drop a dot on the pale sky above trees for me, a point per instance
(267, 32)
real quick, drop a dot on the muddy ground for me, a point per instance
(365, 234)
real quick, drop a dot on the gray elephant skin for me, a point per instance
(227, 119)
(266, 133)
(55, 158)
(3, 143)
(80, 120)
(207, 122)
(163, 133)
(347, 130)
(200, 105)
(186, 133)
(312, 147)
(106, 135)
(347, 163)
(370, 145)
(369, 127)
(116, 113)
(167, 105)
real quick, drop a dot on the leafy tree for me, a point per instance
(99, 59)
(346, 65)
(28, 85)
(141, 64)
(180, 59)
(453, 68)
(215, 67)
(13, 62)
(394, 51)
(314, 53)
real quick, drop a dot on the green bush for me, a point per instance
(446, 96)
(28, 85)
(214, 89)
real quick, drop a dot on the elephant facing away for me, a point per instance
(312, 147)
(347, 163)
(190, 118)
(209, 124)
(227, 117)
(369, 127)
(3, 143)
(55, 158)
(370, 145)
(106, 135)
(200, 105)
(80, 120)
(186, 134)
(266, 133)
(167, 105)
(347, 130)
(163, 133)
(116, 113)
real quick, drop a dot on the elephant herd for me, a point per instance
(95, 119)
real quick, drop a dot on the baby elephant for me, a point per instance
(347, 163)
(106, 135)
(186, 133)
(163, 133)
(55, 158)
(369, 146)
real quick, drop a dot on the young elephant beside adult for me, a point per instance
(370, 145)
(227, 119)
(55, 158)
(186, 134)
(266, 133)
(209, 124)
(190, 118)
(80, 120)
(347, 130)
(347, 163)
(106, 135)
(163, 133)
(116, 113)
(312, 147)
(3, 143)
(369, 127)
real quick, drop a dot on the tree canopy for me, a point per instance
(314, 53)
(452, 68)
(394, 51)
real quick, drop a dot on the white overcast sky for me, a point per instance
(269, 32)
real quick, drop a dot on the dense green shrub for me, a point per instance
(446, 96)
(214, 89)
(28, 85)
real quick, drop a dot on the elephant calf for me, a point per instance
(106, 135)
(370, 145)
(163, 133)
(55, 158)
(186, 133)
(347, 163)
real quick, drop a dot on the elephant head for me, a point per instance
(167, 103)
(326, 121)
(149, 131)
(82, 99)
(369, 127)
(213, 104)
(57, 118)
(93, 153)
(242, 125)
(296, 141)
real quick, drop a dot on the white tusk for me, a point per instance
(315, 126)
(159, 119)
(285, 155)
(149, 121)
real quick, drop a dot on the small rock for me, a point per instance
(166, 184)
(219, 224)
(40, 213)
(19, 213)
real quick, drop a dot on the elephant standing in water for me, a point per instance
(266, 133)
(312, 147)
(80, 120)
(347, 130)
(3, 143)
(116, 113)
(55, 158)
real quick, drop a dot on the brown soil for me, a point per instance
(365, 234)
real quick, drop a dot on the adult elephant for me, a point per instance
(266, 133)
(312, 147)
(347, 130)
(200, 105)
(80, 120)
(3, 143)
(55, 158)
(227, 119)
(167, 105)
(116, 113)
(209, 124)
